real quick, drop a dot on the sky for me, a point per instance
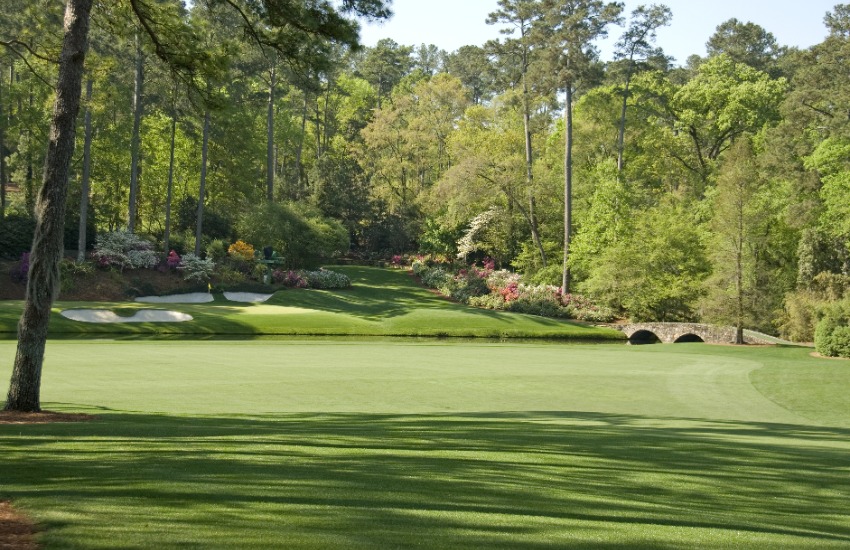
(450, 24)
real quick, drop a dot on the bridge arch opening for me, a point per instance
(643, 337)
(688, 338)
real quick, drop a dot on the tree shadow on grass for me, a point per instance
(500, 480)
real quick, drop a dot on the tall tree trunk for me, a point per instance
(318, 121)
(2, 152)
(135, 138)
(199, 228)
(739, 269)
(529, 166)
(29, 178)
(299, 151)
(621, 134)
(326, 138)
(84, 192)
(29, 184)
(43, 279)
(170, 186)
(270, 138)
(568, 187)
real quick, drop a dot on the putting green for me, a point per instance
(395, 443)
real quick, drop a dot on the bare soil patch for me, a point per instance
(17, 532)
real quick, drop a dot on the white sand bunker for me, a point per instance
(246, 297)
(191, 298)
(142, 316)
(203, 297)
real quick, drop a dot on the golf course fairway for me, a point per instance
(399, 443)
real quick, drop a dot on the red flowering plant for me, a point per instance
(173, 260)
(510, 292)
(290, 279)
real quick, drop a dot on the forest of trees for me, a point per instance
(716, 191)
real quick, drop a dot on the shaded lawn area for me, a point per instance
(382, 302)
(328, 443)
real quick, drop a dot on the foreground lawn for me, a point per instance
(382, 302)
(394, 444)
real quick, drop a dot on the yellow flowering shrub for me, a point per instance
(240, 250)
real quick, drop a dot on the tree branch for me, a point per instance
(9, 45)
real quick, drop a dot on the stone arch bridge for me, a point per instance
(669, 333)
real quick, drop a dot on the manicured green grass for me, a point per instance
(434, 444)
(382, 302)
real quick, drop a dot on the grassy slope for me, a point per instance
(381, 303)
(354, 444)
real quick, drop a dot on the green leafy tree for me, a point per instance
(635, 46)
(701, 119)
(607, 221)
(301, 236)
(384, 66)
(737, 224)
(830, 160)
(405, 146)
(472, 66)
(656, 271)
(567, 31)
(746, 43)
(520, 16)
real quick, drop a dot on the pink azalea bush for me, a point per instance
(289, 279)
(503, 290)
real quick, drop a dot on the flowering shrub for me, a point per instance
(418, 266)
(500, 279)
(173, 260)
(488, 301)
(196, 269)
(123, 250)
(240, 250)
(436, 277)
(324, 279)
(470, 241)
(509, 292)
(398, 260)
(290, 279)
(503, 290)
(467, 283)
(583, 309)
(537, 300)
(20, 272)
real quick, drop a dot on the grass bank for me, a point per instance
(382, 302)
